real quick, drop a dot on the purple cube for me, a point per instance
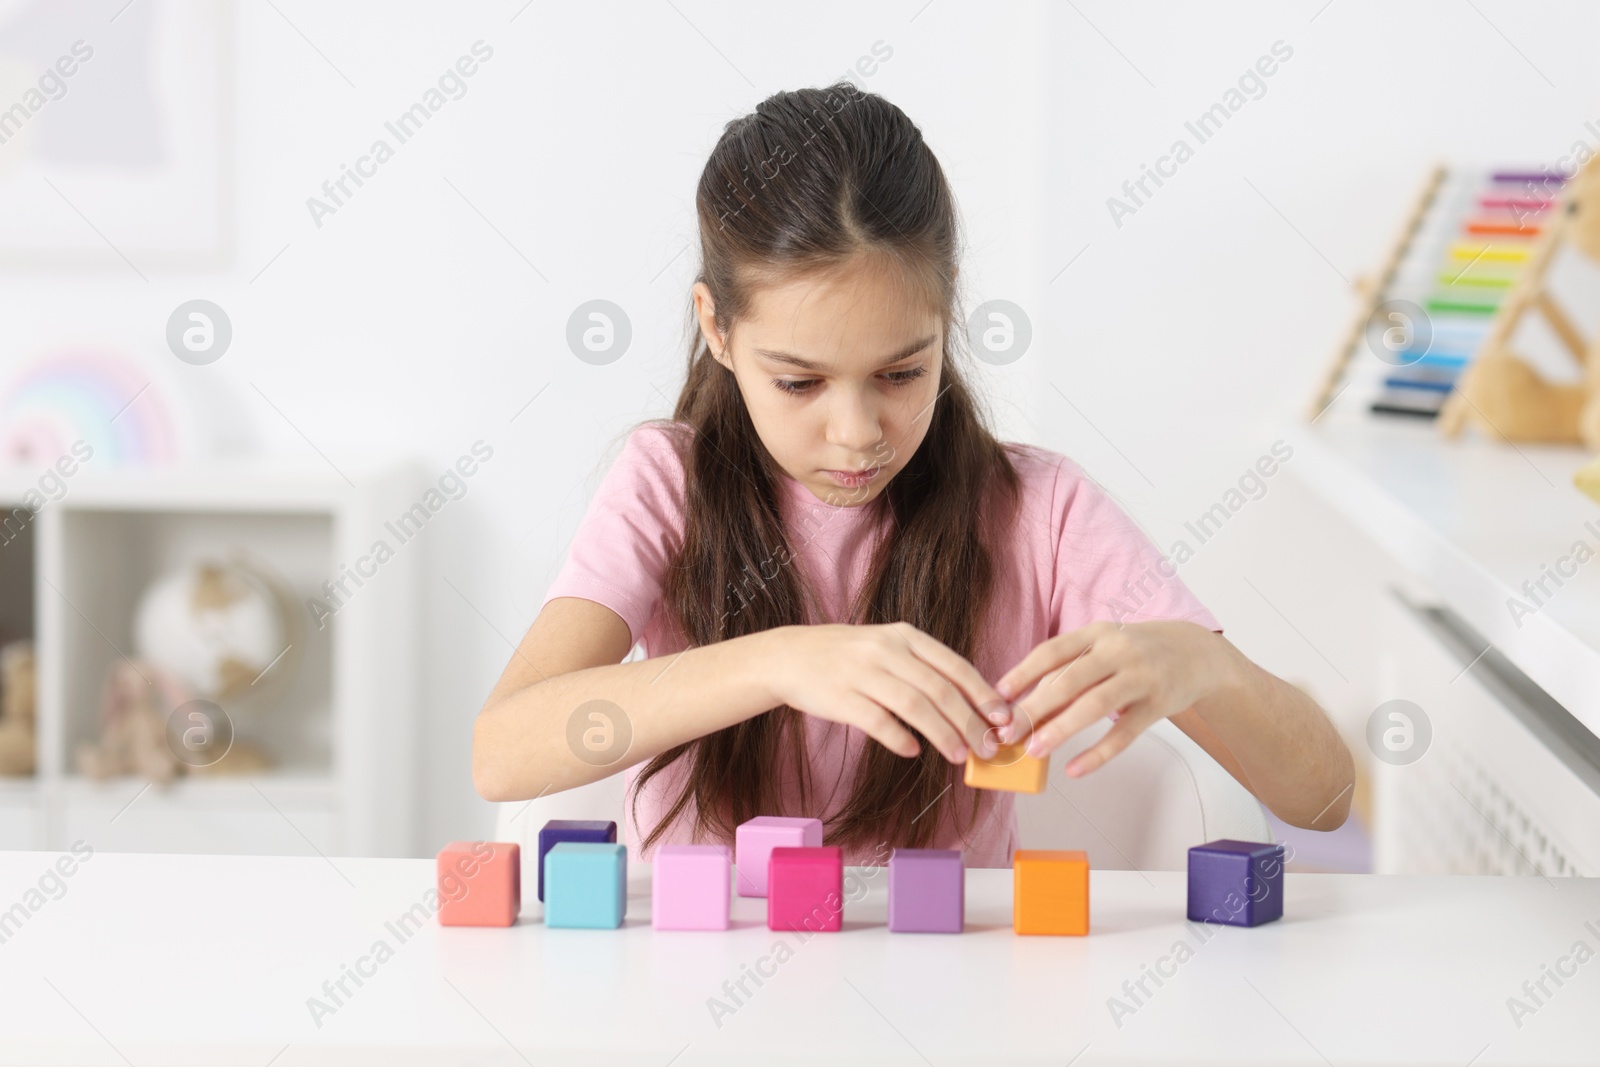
(1239, 883)
(556, 831)
(754, 840)
(927, 891)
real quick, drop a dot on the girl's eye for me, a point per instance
(899, 377)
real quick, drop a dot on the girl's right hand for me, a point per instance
(883, 678)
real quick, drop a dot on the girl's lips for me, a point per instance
(852, 479)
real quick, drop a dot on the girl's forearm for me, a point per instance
(1292, 757)
(520, 742)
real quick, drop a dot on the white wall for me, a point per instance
(1186, 334)
(406, 323)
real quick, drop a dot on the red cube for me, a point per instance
(480, 883)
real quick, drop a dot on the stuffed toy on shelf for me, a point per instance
(17, 709)
(133, 726)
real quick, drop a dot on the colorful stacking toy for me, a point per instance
(1426, 316)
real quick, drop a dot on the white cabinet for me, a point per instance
(341, 733)
(1509, 782)
(1504, 662)
(21, 821)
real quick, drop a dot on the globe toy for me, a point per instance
(217, 627)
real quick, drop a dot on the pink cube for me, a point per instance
(480, 883)
(754, 841)
(805, 889)
(689, 887)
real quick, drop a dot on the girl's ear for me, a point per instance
(705, 312)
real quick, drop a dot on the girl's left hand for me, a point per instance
(1137, 673)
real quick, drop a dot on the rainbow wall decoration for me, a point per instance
(100, 398)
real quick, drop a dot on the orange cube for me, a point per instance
(480, 883)
(1050, 891)
(1010, 768)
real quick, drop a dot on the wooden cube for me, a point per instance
(805, 889)
(689, 886)
(1238, 883)
(927, 891)
(558, 830)
(1050, 891)
(479, 883)
(755, 839)
(587, 885)
(1010, 769)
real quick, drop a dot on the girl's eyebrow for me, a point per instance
(805, 364)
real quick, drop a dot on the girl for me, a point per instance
(828, 556)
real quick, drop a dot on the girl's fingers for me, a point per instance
(1059, 690)
(1133, 722)
(1113, 694)
(949, 702)
(963, 675)
(1048, 656)
(880, 725)
(913, 706)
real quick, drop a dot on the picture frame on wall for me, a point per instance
(115, 144)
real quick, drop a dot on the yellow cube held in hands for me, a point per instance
(1010, 768)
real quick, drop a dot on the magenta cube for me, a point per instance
(689, 887)
(805, 889)
(927, 891)
(754, 841)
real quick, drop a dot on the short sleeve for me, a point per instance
(633, 527)
(1106, 568)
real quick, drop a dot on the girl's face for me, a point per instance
(839, 373)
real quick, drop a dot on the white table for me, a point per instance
(179, 959)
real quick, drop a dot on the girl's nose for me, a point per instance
(854, 427)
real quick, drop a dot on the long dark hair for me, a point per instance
(811, 179)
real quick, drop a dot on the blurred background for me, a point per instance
(300, 398)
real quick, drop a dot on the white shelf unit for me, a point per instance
(341, 734)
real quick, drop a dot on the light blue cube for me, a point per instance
(586, 885)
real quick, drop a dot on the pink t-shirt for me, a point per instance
(1073, 557)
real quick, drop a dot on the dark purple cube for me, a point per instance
(927, 891)
(558, 830)
(1239, 883)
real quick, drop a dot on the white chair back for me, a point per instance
(1143, 810)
